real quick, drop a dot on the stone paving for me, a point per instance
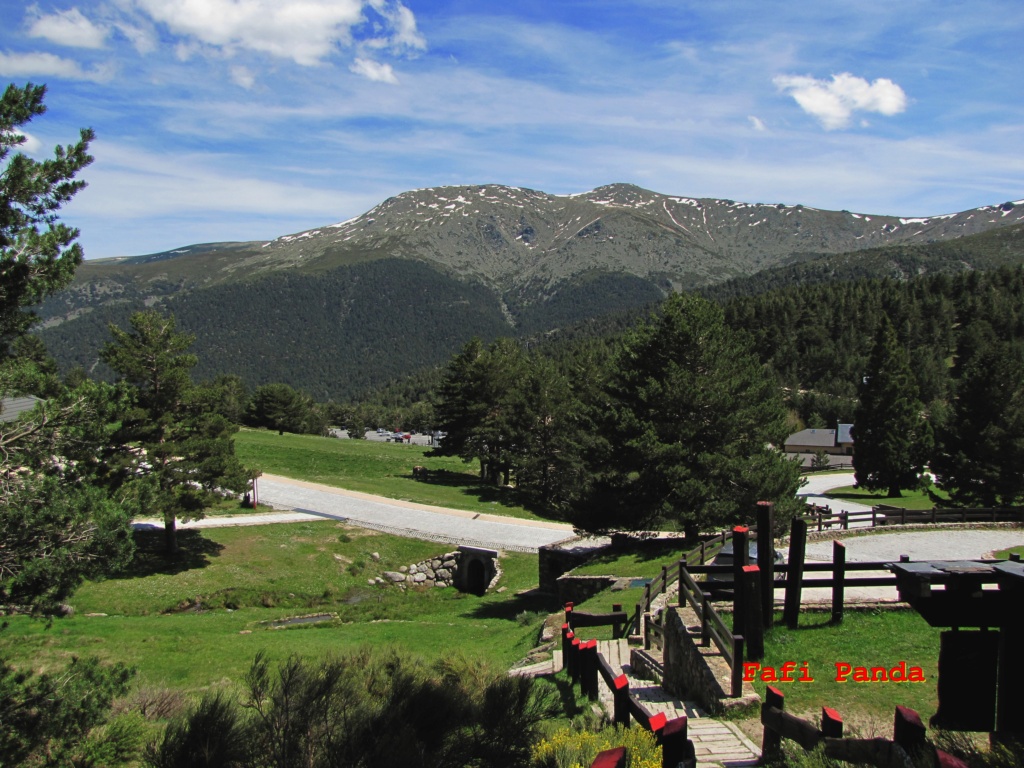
(715, 742)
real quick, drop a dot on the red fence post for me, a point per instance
(675, 747)
(908, 731)
(771, 740)
(612, 758)
(831, 723)
(747, 618)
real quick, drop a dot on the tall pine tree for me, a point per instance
(178, 455)
(892, 437)
(693, 429)
(980, 457)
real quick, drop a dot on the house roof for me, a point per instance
(819, 438)
(12, 407)
(844, 435)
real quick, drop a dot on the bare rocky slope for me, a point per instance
(460, 261)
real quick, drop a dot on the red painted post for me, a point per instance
(574, 655)
(771, 741)
(908, 731)
(568, 613)
(749, 622)
(656, 723)
(675, 747)
(831, 723)
(612, 758)
(566, 639)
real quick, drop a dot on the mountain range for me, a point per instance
(344, 307)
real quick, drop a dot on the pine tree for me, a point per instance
(178, 456)
(892, 438)
(980, 457)
(692, 426)
(38, 254)
(479, 404)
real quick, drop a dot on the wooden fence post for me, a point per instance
(568, 613)
(908, 731)
(766, 560)
(740, 558)
(705, 625)
(748, 606)
(838, 580)
(771, 740)
(588, 669)
(737, 666)
(675, 747)
(831, 723)
(795, 574)
(611, 758)
(574, 656)
(620, 700)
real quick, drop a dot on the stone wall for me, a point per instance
(438, 571)
(445, 570)
(696, 673)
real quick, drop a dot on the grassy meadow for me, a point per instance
(198, 621)
(383, 469)
(909, 499)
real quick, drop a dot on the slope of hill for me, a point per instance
(347, 306)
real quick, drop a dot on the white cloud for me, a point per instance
(372, 70)
(143, 39)
(757, 123)
(69, 28)
(833, 102)
(243, 77)
(404, 35)
(305, 31)
(48, 65)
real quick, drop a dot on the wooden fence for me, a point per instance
(908, 742)
(586, 665)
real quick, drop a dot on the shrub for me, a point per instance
(569, 748)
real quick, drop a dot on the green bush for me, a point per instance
(571, 748)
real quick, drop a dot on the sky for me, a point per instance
(224, 120)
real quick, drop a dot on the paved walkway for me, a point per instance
(716, 742)
(307, 501)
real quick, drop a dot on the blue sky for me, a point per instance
(248, 119)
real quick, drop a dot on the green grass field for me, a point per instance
(909, 499)
(384, 469)
(199, 622)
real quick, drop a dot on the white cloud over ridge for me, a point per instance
(833, 102)
(68, 28)
(49, 65)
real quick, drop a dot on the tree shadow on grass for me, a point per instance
(533, 601)
(194, 551)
